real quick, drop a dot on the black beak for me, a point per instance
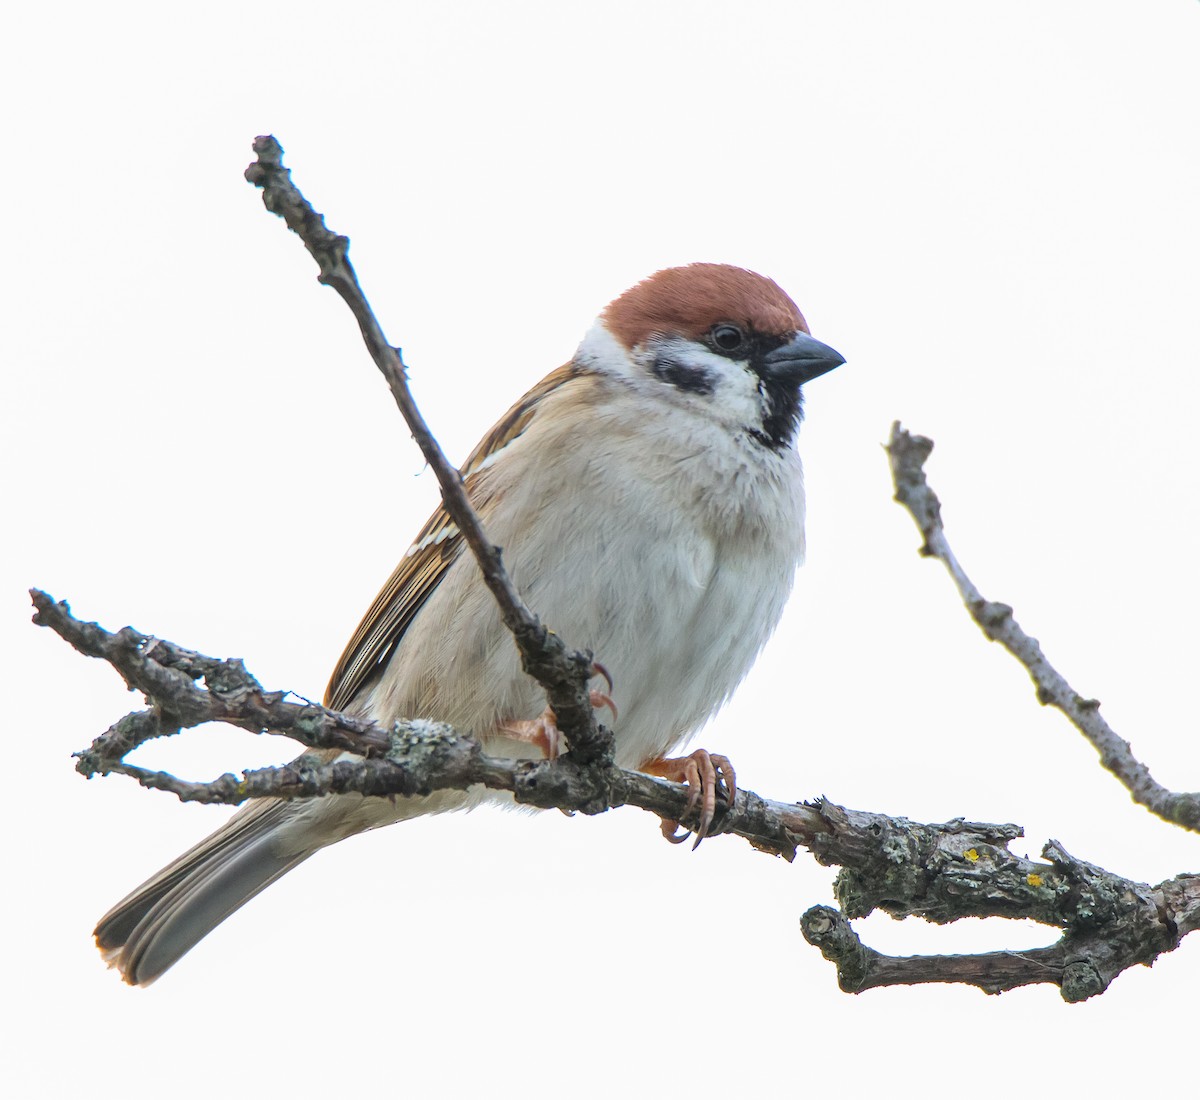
(800, 360)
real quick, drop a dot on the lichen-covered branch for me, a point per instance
(940, 872)
(186, 689)
(1109, 923)
(907, 454)
(564, 673)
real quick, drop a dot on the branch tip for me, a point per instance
(907, 454)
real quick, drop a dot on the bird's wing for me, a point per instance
(428, 560)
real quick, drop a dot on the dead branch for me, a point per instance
(907, 455)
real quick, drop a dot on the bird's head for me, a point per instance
(722, 340)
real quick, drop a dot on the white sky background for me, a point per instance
(989, 209)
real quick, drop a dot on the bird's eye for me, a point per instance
(727, 337)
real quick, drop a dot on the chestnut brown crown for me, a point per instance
(688, 301)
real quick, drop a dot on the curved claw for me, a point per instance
(598, 699)
(703, 773)
(599, 670)
(670, 831)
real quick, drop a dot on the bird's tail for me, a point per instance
(165, 917)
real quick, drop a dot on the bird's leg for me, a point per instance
(543, 733)
(703, 773)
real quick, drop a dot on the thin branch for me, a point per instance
(563, 673)
(860, 968)
(907, 454)
(940, 872)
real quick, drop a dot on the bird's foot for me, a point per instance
(703, 773)
(543, 733)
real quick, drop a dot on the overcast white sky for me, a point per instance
(990, 209)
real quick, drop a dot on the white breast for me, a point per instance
(664, 545)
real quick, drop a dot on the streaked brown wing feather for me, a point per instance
(397, 604)
(425, 564)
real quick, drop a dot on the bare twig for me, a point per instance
(563, 673)
(907, 454)
(940, 872)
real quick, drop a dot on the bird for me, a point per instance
(649, 499)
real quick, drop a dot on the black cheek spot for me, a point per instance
(683, 377)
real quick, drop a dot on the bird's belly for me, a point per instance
(674, 606)
(677, 631)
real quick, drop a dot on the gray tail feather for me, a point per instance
(164, 918)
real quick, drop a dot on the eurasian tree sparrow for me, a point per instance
(650, 504)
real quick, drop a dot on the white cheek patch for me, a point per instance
(448, 532)
(741, 396)
(733, 393)
(734, 398)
